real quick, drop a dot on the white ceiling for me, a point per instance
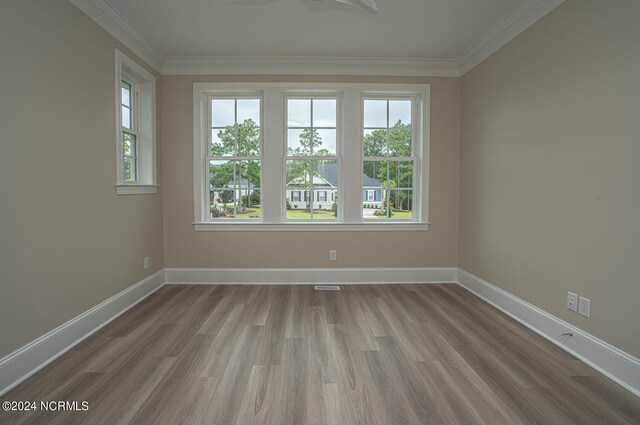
(442, 29)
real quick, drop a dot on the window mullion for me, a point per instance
(273, 167)
(351, 162)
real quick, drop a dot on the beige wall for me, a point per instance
(67, 241)
(550, 193)
(186, 248)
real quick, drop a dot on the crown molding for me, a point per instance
(524, 16)
(114, 24)
(309, 65)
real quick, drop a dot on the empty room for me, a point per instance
(310, 212)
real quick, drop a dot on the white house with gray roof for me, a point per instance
(325, 189)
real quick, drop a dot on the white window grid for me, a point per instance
(209, 157)
(350, 128)
(132, 130)
(308, 192)
(388, 159)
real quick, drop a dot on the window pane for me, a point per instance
(298, 142)
(223, 142)
(400, 204)
(326, 175)
(221, 174)
(249, 112)
(126, 117)
(299, 112)
(125, 93)
(222, 190)
(400, 174)
(324, 112)
(221, 203)
(222, 112)
(249, 172)
(129, 144)
(400, 140)
(375, 173)
(388, 203)
(250, 205)
(375, 113)
(248, 139)
(399, 112)
(311, 186)
(375, 143)
(129, 169)
(324, 141)
(234, 188)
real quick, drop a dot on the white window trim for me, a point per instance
(143, 83)
(207, 106)
(274, 127)
(338, 157)
(415, 149)
(371, 195)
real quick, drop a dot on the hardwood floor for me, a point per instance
(388, 354)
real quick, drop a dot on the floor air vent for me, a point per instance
(326, 288)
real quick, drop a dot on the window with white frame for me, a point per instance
(388, 156)
(267, 156)
(234, 157)
(135, 128)
(129, 132)
(312, 160)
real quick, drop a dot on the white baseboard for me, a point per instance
(607, 359)
(612, 362)
(27, 360)
(338, 276)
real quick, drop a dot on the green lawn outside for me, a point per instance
(307, 214)
(249, 212)
(254, 212)
(402, 214)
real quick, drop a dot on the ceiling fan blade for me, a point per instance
(369, 5)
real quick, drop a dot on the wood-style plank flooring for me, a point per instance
(388, 355)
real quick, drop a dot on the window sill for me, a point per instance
(310, 227)
(136, 189)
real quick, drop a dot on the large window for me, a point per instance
(234, 154)
(388, 160)
(135, 128)
(312, 160)
(272, 156)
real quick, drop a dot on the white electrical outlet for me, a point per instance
(146, 263)
(572, 301)
(584, 307)
(333, 254)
